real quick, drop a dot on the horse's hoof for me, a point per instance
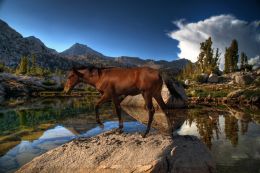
(119, 131)
(101, 125)
(143, 135)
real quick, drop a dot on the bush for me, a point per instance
(200, 79)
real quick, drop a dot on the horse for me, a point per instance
(115, 82)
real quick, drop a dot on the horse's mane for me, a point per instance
(93, 67)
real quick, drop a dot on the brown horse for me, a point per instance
(115, 82)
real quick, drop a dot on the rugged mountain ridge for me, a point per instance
(13, 46)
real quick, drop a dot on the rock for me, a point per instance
(235, 94)
(255, 99)
(186, 82)
(258, 72)
(138, 101)
(213, 78)
(110, 152)
(243, 79)
(231, 83)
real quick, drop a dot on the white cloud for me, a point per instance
(255, 62)
(222, 29)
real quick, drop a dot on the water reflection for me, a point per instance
(26, 150)
(30, 129)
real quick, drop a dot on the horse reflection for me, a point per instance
(165, 121)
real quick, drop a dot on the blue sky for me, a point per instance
(117, 27)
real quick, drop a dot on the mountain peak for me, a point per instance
(79, 49)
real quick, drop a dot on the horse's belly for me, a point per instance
(131, 92)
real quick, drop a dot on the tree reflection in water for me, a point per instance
(207, 122)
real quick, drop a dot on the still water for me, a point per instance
(28, 129)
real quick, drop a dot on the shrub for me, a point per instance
(200, 78)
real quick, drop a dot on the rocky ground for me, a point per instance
(233, 88)
(112, 152)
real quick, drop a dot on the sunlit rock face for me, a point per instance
(111, 152)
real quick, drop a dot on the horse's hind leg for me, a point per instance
(118, 111)
(149, 104)
(104, 98)
(159, 100)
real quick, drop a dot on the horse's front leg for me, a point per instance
(104, 98)
(118, 111)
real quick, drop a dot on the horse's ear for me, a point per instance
(77, 72)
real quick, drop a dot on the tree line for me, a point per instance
(208, 60)
(28, 66)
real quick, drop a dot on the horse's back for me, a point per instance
(132, 80)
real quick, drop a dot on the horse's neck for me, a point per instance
(93, 82)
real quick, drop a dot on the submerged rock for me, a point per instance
(111, 152)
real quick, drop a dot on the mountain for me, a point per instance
(78, 49)
(13, 46)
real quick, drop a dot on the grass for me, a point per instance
(205, 91)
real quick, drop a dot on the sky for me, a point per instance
(154, 29)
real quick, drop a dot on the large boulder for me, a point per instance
(171, 101)
(116, 153)
(213, 78)
(243, 79)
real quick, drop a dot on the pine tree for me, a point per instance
(243, 61)
(207, 62)
(215, 60)
(227, 61)
(34, 66)
(233, 53)
(208, 55)
(2, 66)
(231, 57)
(23, 66)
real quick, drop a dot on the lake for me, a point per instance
(30, 128)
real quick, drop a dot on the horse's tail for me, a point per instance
(170, 85)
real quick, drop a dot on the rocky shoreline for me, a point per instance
(113, 152)
(19, 85)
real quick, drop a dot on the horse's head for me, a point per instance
(74, 78)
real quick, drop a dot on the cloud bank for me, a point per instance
(222, 29)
